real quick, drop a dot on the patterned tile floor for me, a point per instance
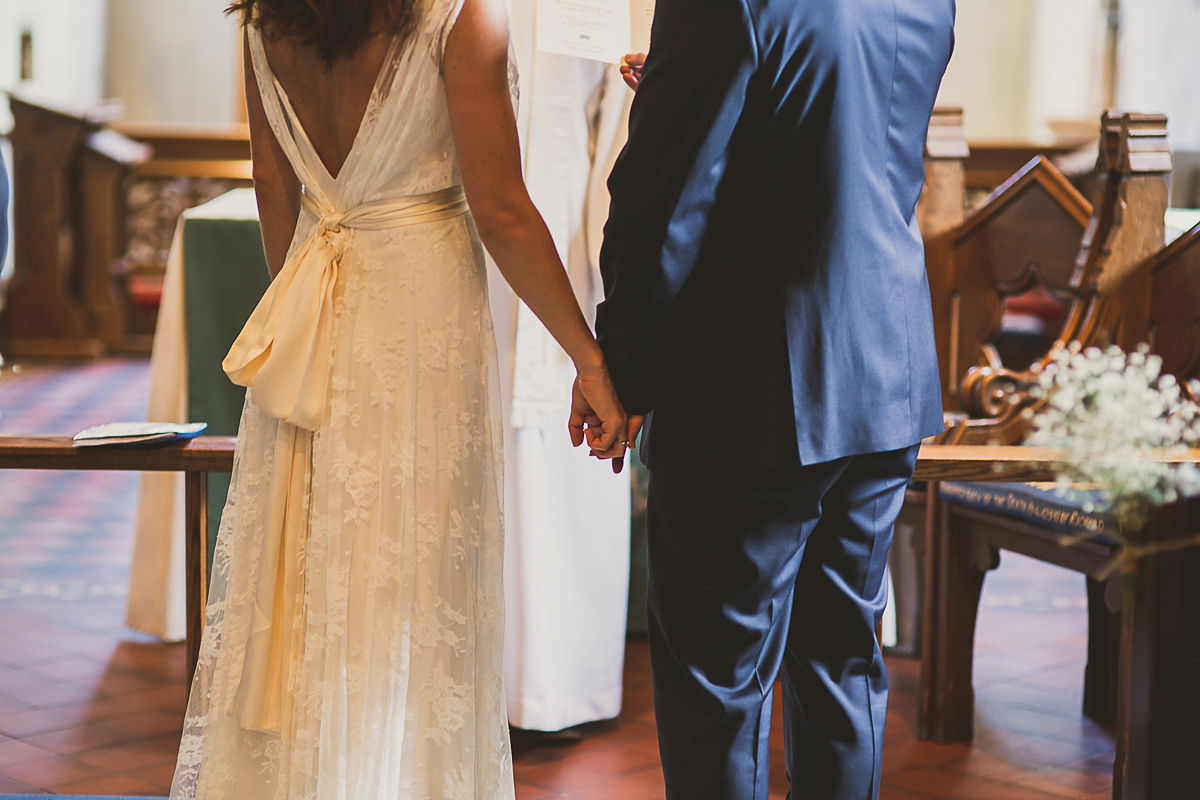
(88, 706)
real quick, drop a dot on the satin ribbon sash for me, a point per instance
(284, 352)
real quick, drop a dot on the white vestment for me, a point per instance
(566, 515)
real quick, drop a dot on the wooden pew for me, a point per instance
(1174, 325)
(1156, 691)
(1027, 230)
(1025, 235)
(940, 211)
(1126, 228)
(1127, 289)
(991, 163)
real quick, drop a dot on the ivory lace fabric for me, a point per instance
(352, 648)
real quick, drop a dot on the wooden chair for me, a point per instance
(1125, 288)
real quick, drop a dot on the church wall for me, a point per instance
(67, 39)
(1067, 66)
(1160, 64)
(1018, 65)
(174, 62)
(989, 72)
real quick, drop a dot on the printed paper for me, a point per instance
(602, 30)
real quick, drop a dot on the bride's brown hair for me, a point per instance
(334, 27)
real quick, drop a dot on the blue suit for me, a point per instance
(766, 300)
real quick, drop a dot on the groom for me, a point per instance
(766, 305)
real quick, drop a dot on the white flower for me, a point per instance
(1106, 409)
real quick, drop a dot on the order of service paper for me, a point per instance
(602, 30)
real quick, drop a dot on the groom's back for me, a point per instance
(847, 111)
(805, 305)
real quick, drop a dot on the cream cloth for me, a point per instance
(283, 353)
(379, 533)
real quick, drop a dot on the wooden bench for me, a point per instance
(1025, 233)
(1124, 288)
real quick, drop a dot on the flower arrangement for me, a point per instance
(1124, 427)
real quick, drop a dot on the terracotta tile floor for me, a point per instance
(88, 706)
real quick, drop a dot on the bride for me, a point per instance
(353, 631)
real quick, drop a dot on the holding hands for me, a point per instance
(598, 417)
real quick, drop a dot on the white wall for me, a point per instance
(68, 50)
(1067, 64)
(68, 60)
(989, 72)
(173, 61)
(1160, 64)
(1018, 64)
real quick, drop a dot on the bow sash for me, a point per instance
(285, 350)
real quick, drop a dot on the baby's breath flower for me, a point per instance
(1107, 408)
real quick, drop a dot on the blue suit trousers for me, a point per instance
(759, 575)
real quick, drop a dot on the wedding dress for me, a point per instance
(352, 648)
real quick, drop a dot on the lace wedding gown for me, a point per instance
(352, 648)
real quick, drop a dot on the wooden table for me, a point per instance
(195, 458)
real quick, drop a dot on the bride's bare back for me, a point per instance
(329, 101)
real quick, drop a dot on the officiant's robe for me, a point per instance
(566, 515)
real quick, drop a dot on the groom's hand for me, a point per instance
(624, 443)
(631, 71)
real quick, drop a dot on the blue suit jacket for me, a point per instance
(765, 290)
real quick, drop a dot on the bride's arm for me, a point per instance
(275, 183)
(485, 135)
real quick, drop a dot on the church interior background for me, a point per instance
(89, 706)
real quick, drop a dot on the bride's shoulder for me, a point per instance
(445, 12)
(443, 16)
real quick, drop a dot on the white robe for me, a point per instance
(566, 515)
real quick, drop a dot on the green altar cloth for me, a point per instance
(225, 274)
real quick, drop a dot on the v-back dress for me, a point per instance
(352, 648)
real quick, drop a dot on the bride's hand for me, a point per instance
(597, 415)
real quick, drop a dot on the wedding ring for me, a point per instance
(627, 444)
